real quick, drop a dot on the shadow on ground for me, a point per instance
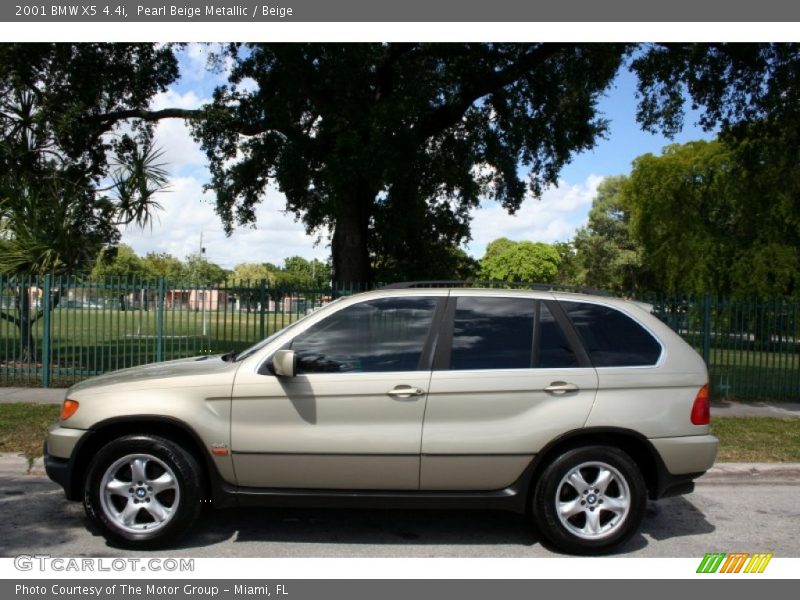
(37, 519)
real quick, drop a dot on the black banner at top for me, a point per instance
(143, 11)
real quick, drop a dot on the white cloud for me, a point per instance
(173, 136)
(188, 212)
(194, 62)
(555, 217)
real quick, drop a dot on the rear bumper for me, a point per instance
(687, 454)
(683, 459)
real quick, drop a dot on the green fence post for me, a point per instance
(160, 321)
(46, 332)
(262, 313)
(707, 329)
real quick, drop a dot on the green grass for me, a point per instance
(23, 427)
(88, 342)
(757, 439)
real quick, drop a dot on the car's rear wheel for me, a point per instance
(143, 491)
(589, 500)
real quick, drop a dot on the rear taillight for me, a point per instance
(701, 409)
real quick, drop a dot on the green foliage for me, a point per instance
(733, 84)
(313, 273)
(391, 145)
(708, 220)
(197, 269)
(121, 261)
(163, 264)
(60, 105)
(520, 261)
(430, 262)
(251, 272)
(570, 269)
(608, 256)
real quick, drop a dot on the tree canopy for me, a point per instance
(520, 262)
(609, 257)
(70, 175)
(705, 222)
(389, 146)
(386, 147)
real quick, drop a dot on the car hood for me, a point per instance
(161, 374)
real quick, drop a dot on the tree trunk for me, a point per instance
(351, 264)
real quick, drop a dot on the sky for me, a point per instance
(188, 211)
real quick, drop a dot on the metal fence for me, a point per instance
(751, 347)
(55, 331)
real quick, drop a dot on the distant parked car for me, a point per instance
(79, 304)
(569, 407)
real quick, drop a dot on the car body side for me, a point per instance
(471, 431)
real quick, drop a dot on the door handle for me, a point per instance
(404, 391)
(561, 387)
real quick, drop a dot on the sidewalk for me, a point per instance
(9, 395)
(719, 408)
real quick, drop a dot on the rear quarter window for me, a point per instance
(612, 338)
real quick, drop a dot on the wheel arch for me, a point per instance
(170, 428)
(634, 444)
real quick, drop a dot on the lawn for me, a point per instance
(87, 342)
(757, 439)
(23, 428)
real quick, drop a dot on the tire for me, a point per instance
(589, 500)
(143, 491)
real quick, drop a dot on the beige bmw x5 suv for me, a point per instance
(574, 409)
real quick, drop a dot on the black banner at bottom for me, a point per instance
(405, 589)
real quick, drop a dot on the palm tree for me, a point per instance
(57, 221)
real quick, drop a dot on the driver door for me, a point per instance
(351, 418)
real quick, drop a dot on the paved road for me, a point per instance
(736, 507)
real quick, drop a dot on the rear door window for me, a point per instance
(492, 333)
(554, 350)
(611, 338)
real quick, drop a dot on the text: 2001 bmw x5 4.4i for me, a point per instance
(570, 407)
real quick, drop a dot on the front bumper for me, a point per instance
(58, 470)
(59, 453)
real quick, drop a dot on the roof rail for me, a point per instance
(545, 287)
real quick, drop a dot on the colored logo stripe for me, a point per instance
(710, 562)
(734, 562)
(758, 563)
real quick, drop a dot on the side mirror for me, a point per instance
(284, 363)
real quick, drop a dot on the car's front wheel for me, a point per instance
(143, 490)
(589, 500)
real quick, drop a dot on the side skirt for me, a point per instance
(514, 498)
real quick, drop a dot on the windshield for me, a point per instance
(259, 345)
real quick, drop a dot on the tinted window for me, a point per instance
(378, 335)
(612, 339)
(492, 333)
(554, 350)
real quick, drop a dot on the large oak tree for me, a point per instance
(389, 146)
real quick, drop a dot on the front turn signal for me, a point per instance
(68, 409)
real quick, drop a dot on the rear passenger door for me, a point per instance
(508, 377)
